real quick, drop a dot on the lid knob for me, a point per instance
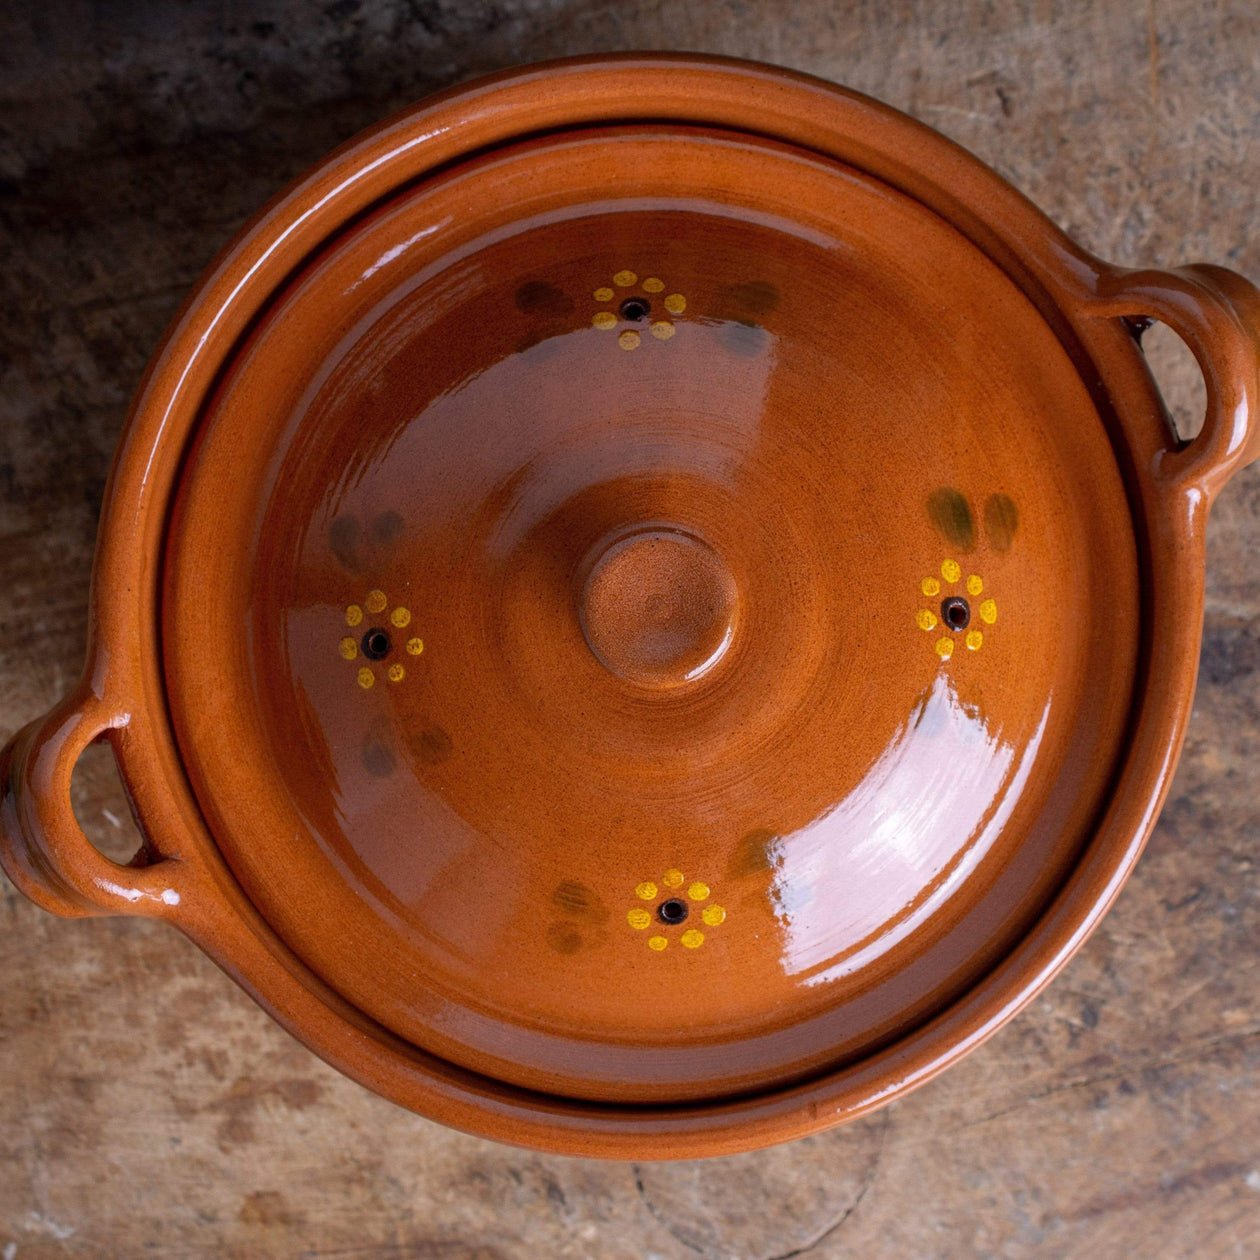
(658, 607)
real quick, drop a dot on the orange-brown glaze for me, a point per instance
(700, 614)
(668, 602)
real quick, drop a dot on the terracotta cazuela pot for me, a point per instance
(645, 606)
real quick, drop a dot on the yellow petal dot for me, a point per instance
(604, 294)
(657, 943)
(400, 617)
(653, 285)
(950, 570)
(692, 939)
(628, 341)
(974, 640)
(415, 646)
(646, 890)
(930, 586)
(662, 330)
(638, 919)
(672, 878)
(944, 648)
(698, 891)
(624, 279)
(348, 648)
(375, 601)
(926, 619)
(988, 611)
(604, 319)
(974, 585)
(354, 614)
(675, 304)
(397, 673)
(713, 915)
(366, 678)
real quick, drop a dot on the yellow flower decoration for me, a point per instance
(957, 609)
(638, 304)
(676, 899)
(376, 640)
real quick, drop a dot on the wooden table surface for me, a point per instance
(147, 1108)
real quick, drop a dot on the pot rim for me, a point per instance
(122, 694)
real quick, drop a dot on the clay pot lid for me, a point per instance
(650, 614)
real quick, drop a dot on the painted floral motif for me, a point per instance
(667, 905)
(959, 608)
(379, 641)
(637, 305)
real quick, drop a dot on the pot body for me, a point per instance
(1092, 311)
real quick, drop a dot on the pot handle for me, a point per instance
(43, 848)
(1217, 313)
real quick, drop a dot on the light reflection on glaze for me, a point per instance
(395, 252)
(535, 487)
(888, 835)
(715, 656)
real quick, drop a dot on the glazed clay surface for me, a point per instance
(560, 639)
(323, 669)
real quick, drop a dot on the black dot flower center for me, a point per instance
(672, 911)
(375, 644)
(956, 612)
(635, 309)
